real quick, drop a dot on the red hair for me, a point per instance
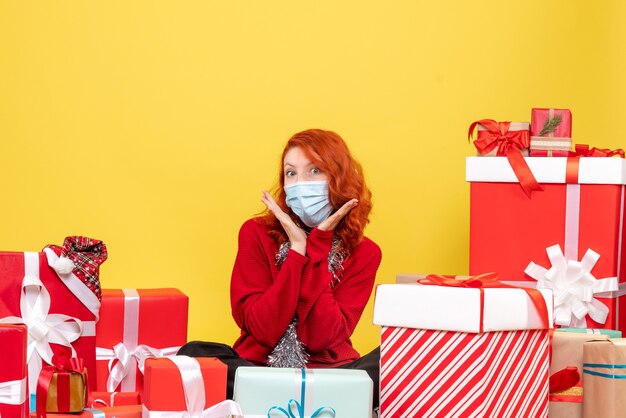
(330, 153)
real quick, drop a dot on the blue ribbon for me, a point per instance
(604, 366)
(95, 412)
(300, 405)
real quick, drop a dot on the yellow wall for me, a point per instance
(153, 125)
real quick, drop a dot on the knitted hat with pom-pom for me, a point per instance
(81, 256)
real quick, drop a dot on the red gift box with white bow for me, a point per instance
(48, 292)
(137, 324)
(567, 237)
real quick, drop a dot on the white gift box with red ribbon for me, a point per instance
(454, 351)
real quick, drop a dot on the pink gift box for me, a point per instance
(550, 132)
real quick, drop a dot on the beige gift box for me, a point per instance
(567, 351)
(604, 378)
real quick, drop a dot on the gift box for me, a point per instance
(181, 386)
(463, 351)
(604, 378)
(550, 132)
(567, 352)
(567, 237)
(264, 391)
(58, 290)
(495, 138)
(509, 139)
(13, 373)
(136, 324)
(611, 333)
(124, 411)
(107, 399)
(62, 387)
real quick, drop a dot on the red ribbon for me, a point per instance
(564, 379)
(509, 144)
(63, 366)
(489, 280)
(583, 150)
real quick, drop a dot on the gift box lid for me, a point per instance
(457, 309)
(592, 170)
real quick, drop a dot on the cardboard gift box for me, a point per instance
(568, 237)
(550, 132)
(458, 351)
(263, 391)
(495, 138)
(124, 411)
(510, 140)
(567, 352)
(13, 372)
(52, 291)
(136, 324)
(62, 387)
(604, 378)
(107, 399)
(611, 333)
(181, 386)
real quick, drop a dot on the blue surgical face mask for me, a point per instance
(309, 200)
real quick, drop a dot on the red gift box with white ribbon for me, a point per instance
(58, 308)
(13, 372)
(463, 351)
(137, 324)
(182, 386)
(567, 237)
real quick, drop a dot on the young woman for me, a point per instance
(304, 270)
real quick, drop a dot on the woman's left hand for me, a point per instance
(332, 221)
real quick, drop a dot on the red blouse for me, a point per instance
(264, 297)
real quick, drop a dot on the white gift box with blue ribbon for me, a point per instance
(303, 393)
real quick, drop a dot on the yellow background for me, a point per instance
(154, 125)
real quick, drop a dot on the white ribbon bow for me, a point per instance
(43, 328)
(574, 287)
(13, 392)
(123, 362)
(193, 387)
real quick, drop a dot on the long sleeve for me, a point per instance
(263, 306)
(327, 317)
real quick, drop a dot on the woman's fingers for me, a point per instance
(333, 220)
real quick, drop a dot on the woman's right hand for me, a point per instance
(296, 235)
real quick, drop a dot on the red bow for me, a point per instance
(583, 150)
(509, 144)
(489, 280)
(564, 379)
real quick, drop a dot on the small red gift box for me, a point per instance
(550, 132)
(13, 343)
(107, 399)
(137, 324)
(574, 227)
(180, 383)
(64, 308)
